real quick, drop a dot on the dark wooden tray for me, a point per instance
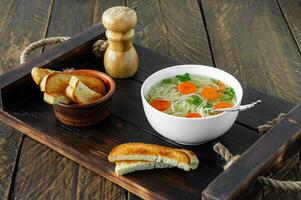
(22, 107)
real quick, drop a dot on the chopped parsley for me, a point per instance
(229, 94)
(183, 78)
(214, 81)
(166, 81)
(195, 100)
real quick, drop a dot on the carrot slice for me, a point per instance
(187, 88)
(210, 93)
(223, 105)
(160, 104)
(193, 115)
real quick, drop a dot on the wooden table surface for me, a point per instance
(259, 42)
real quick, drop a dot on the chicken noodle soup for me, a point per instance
(192, 96)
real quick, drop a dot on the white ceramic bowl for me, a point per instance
(190, 131)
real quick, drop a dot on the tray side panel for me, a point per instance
(268, 154)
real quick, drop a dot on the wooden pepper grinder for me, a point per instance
(120, 59)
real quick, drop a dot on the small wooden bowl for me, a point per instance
(87, 114)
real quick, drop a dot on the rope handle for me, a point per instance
(98, 48)
(40, 43)
(229, 158)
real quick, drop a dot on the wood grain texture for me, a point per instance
(44, 174)
(291, 173)
(251, 40)
(49, 170)
(10, 142)
(174, 28)
(120, 59)
(283, 140)
(61, 183)
(21, 23)
(93, 186)
(70, 17)
(133, 197)
(101, 5)
(291, 10)
(25, 22)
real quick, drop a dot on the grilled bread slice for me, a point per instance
(194, 161)
(57, 82)
(150, 152)
(80, 93)
(39, 73)
(129, 166)
(54, 98)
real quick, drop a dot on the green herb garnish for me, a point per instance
(183, 78)
(229, 94)
(166, 81)
(215, 81)
(195, 100)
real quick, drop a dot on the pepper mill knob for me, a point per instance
(120, 59)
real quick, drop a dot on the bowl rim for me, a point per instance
(187, 118)
(101, 75)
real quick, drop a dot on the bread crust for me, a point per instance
(57, 82)
(80, 93)
(39, 73)
(150, 152)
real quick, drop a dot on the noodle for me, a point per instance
(182, 104)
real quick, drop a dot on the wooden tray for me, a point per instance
(22, 107)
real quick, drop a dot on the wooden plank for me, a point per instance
(133, 197)
(36, 160)
(267, 155)
(291, 11)
(269, 109)
(44, 174)
(174, 28)
(289, 172)
(65, 179)
(10, 142)
(70, 17)
(21, 23)
(251, 40)
(24, 23)
(93, 186)
(102, 5)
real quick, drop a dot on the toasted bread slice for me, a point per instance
(150, 152)
(128, 166)
(39, 73)
(194, 161)
(80, 93)
(57, 82)
(54, 98)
